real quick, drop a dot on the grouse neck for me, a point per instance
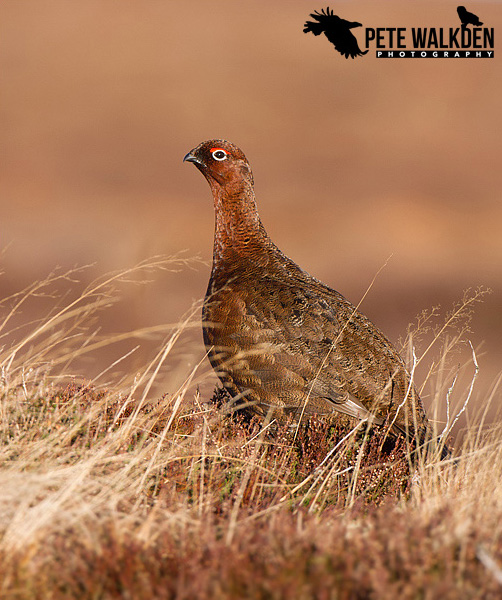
(238, 225)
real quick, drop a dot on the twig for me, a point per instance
(464, 407)
(490, 564)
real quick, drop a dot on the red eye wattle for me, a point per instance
(218, 154)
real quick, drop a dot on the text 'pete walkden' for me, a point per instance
(431, 42)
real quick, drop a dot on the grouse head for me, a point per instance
(223, 164)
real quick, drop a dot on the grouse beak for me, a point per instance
(189, 157)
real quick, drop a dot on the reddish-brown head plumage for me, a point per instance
(230, 177)
(221, 163)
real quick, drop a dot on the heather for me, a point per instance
(110, 489)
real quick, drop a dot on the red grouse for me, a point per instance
(279, 339)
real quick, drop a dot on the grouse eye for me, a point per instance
(218, 154)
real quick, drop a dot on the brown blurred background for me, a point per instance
(354, 160)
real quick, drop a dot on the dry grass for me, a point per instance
(111, 492)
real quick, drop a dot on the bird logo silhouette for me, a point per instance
(468, 18)
(337, 30)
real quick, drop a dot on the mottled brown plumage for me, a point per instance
(280, 339)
